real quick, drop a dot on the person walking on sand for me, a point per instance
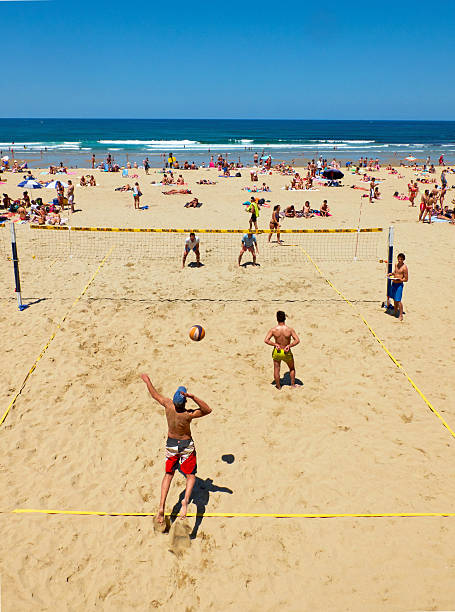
(180, 449)
(253, 208)
(284, 339)
(136, 196)
(398, 277)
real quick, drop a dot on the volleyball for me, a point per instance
(197, 332)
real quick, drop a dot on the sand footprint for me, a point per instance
(179, 537)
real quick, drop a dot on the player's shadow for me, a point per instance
(285, 381)
(194, 264)
(200, 497)
(249, 263)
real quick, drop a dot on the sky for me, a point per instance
(299, 60)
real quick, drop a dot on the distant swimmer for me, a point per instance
(284, 339)
(398, 277)
(192, 244)
(180, 449)
(249, 243)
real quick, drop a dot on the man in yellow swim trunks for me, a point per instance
(284, 339)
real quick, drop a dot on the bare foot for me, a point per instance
(184, 510)
(159, 522)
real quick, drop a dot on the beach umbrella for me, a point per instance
(333, 174)
(53, 184)
(5, 158)
(30, 184)
(410, 158)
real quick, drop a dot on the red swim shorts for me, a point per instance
(180, 453)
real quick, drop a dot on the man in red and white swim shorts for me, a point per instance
(180, 450)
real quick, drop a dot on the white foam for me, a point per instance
(162, 143)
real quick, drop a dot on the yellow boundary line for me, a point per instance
(245, 514)
(202, 231)
(46, 346)
(382, 345)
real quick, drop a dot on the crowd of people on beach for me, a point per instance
(320, 173)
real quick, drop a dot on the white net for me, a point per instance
(128, 244)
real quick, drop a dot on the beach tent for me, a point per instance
(410, 158)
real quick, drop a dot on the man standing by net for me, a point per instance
(284, 339)
(249, 243)
(192, 244)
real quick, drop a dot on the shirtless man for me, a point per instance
(429, 205)
(284, 339)
(413, 191)
(423, 203)
(70, 195)
(399, 276)
(180, 450)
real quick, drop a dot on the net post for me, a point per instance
(389, 264)
(358, 230)
(17, 279)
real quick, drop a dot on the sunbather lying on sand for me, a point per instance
(174, 191)
(193, 204)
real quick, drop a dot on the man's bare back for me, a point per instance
(283, 335)
(180, 450)
(284, 339)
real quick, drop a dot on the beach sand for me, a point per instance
(355, 438)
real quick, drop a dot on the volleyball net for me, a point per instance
(141, 244)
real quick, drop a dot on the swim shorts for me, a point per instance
(280, 355)
(396, 292)
(183, 453)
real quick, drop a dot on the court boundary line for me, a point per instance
(242, 514)
(54, 333)
(381, 344)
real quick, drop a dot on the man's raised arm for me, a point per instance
(153, 392)
(203, 407)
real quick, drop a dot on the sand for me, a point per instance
(356, 438)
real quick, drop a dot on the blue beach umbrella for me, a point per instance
(30, 184)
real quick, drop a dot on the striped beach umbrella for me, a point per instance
(30, 184)
(53, 184)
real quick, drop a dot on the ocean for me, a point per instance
(72, 141)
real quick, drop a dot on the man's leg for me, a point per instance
(400, 307)
(185, 255)
(395, 308)
(198, 256)
(190, 480)
(291, 366)
(241, 255)
(165, 485)
(276, 374)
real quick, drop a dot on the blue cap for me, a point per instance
(179, 399)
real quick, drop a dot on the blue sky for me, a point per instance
(310, 60)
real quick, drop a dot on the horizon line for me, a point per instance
(221, 119)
